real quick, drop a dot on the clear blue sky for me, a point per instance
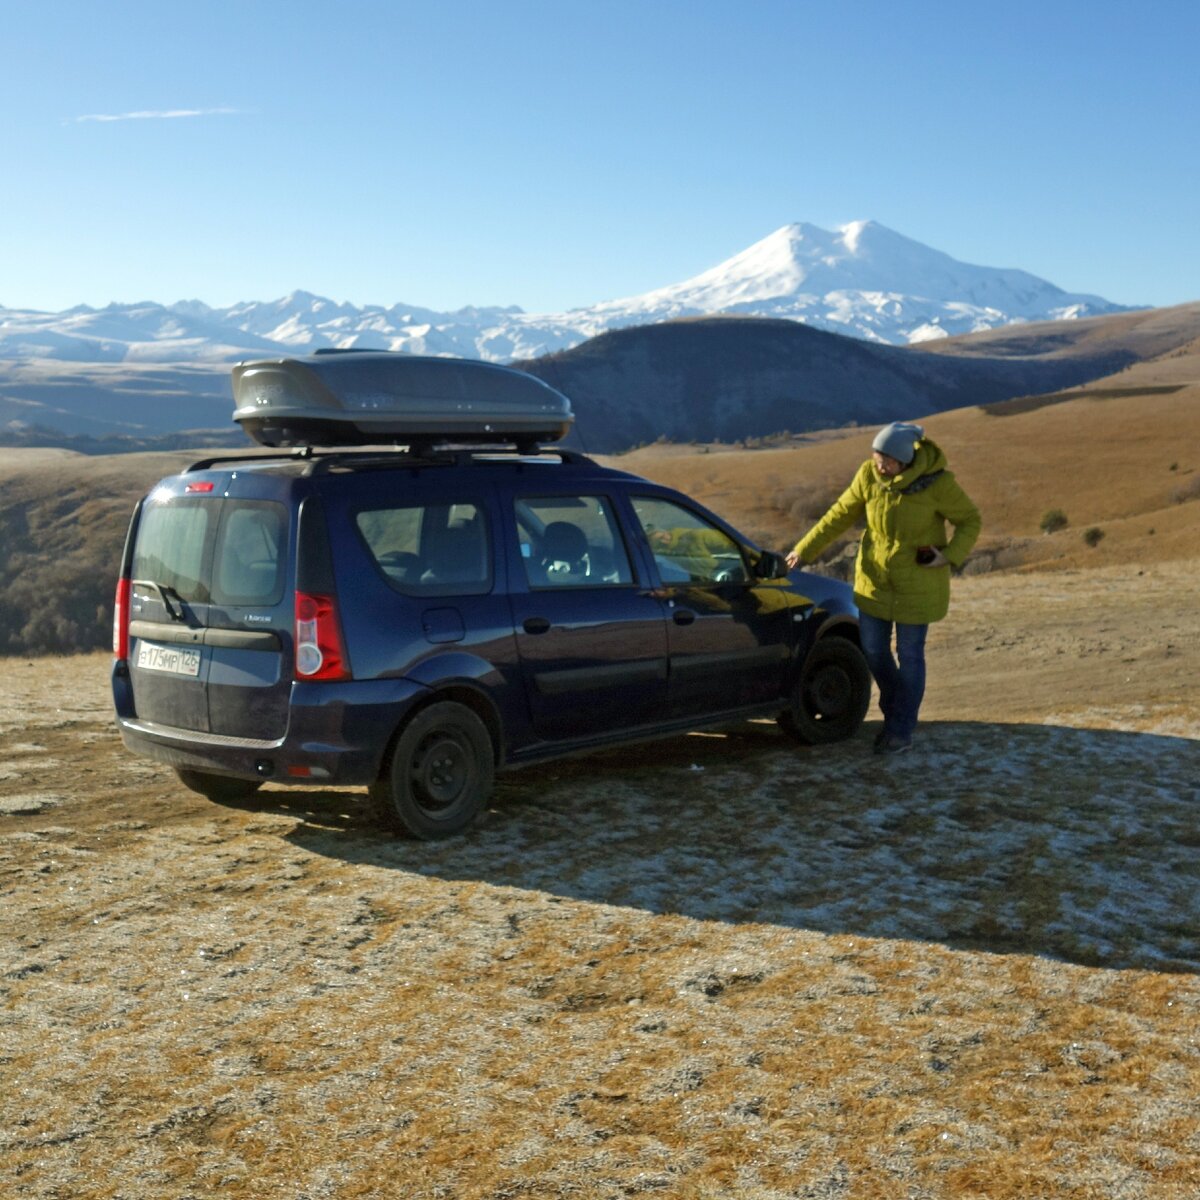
(554, 153)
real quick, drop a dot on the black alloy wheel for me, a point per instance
(440, 774)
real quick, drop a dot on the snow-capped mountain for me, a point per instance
(863, 280)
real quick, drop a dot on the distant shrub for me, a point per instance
(837, 561)
(1093, 535)
(60, 553)
(1053, 520)
(806, 502)
(1188, 490)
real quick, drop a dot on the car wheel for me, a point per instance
(830, 700)
(224, 789)
(439, 776)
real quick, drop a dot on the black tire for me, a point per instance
(831, 698)
(224, 789)
(439, 776)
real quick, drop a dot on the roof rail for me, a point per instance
(430, 454)
(206, 464)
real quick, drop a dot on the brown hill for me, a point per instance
(1158, 349)
(1129, 468)
(107, 400)
(1149, 334)
(62, 525)
(726, 378)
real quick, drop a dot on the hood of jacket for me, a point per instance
(929, 458)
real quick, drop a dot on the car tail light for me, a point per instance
(320, 653)
(121, 620)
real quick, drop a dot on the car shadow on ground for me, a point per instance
(1078, 845)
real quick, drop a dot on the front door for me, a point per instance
(730, 634)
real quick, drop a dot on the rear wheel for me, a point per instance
(831, 698)
(440, 774)
(221, 788)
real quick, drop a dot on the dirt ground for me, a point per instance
(717, 966)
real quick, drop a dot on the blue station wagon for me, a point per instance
(414, 618)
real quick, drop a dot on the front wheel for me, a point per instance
(831, 698)
(439, 776)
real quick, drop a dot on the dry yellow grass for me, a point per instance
(716, 967)
(1121, 466)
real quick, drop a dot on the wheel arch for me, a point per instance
(833, 625)
(841, 625)
(459, 693)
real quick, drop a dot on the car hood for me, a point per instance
(823, 590)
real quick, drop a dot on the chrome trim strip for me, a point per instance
(169, 733)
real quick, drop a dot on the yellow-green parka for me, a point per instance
(902, 513)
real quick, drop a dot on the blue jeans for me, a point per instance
(901, 684)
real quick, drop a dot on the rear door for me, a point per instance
(209, 624)
(591, 635)
(428, 603)
(248, 620)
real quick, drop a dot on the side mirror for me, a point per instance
(770, 566)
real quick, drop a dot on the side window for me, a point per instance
(430, 549)
(571, 541)
(686, 547)
(248, 568)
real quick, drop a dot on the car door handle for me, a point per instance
(683, 616)
(536, 625)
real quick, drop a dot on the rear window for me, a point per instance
(430, 549)
(172, 544)
(248, 562)
(214, 551)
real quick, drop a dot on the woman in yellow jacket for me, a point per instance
(902, 576)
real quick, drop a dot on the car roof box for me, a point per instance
(351, 398)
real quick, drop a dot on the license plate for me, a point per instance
(174, 660)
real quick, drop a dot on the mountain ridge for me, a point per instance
(729, 378)
(863, 279)
(690, 379)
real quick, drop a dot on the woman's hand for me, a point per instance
(792, 560)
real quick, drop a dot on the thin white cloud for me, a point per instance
(168, 114)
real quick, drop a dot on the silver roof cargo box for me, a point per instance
(351, 398)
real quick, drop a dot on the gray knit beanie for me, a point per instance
(898, 440)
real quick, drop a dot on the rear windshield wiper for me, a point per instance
(166, 592)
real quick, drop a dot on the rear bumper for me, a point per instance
(337, 733)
